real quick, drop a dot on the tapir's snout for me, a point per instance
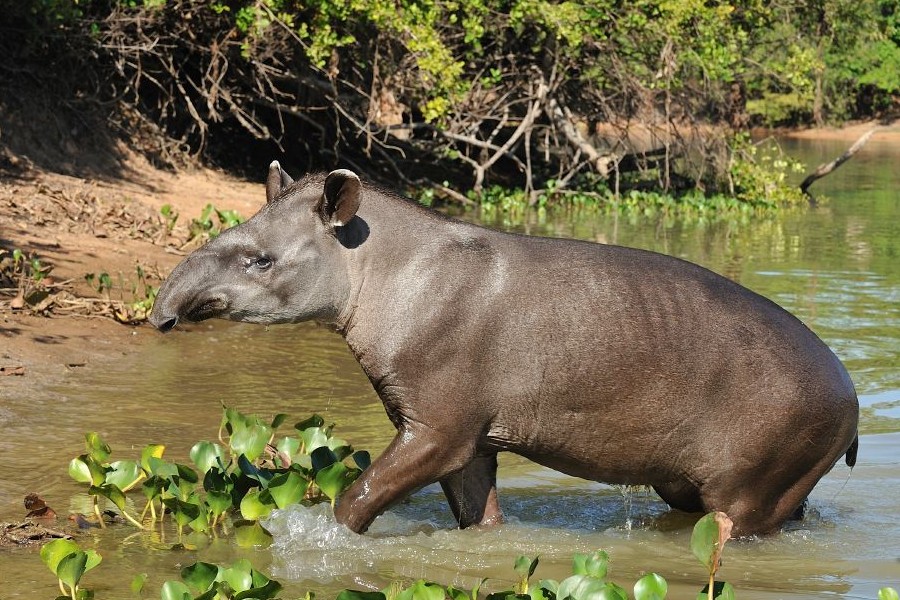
(164, 324)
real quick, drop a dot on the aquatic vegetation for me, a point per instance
(250, 471)
(69, 563)
(247, 472)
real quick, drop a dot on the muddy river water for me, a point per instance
(837, 266)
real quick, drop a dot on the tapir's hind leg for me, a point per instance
(472, 493)
(682, 495)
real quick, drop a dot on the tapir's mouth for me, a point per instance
(207, 309)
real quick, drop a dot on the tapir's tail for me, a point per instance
(850, 457)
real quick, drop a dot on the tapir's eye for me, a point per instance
(262, 262)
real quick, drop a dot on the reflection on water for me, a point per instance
(836, 266)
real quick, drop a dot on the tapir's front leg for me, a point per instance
(416, 457)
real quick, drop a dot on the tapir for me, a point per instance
(603, 362)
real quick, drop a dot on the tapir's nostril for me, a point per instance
(168, 324)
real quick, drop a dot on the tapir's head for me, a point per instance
(287, 263)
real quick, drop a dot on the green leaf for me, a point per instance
(322, 457)
(71, 567)
(278, 420)
(704, 539)
(249, 534)
(263, 592)
(124, 474)
(888, 593)
(362, 459)
(186, 473)
(287, 488)
(238, 575)
(175, 590)
(650, 587)
(313, 439)
(55, 551)
(111, 492)
(584, 587)
(206, 455)
(721, 591)
(218, 502)
(160, 467)
(289, 446)
(312, 422)
(93, 559)
(86, 469)
(251, 440)
(359, 595)
(334, 479)
(151, 451)
(96, 447)
(200, 576)
(138, 583)
(422, 590)
(257, 504)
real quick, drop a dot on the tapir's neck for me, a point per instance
(389, 274)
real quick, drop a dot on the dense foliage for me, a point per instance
(535, 94)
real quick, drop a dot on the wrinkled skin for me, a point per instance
(607, 363)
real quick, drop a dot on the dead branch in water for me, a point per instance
(826, 168)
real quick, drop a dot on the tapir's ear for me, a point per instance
(340, 200)
(276, 181)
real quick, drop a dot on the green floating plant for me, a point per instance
(69, 563)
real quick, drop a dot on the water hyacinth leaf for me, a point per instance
(650, 587)
(86, 469)
(888, 593)
(175, 590)
(200, 576)
(137, 584)
(124, 474)
(585, 587)
(206, 455)
(96, 447)
(287, 488)
(257, 504)
(332, 480)
(539, 594)
(80, 471)
(217, 480)
(110, 492)
(93, 559)
(250, 534)
(524, 566)
(263, 592)
(452, 593)
(238, 575)
(218, 501)
(250, 441)
(278, 420)
(186, 473)
(71, 567)
(322, 457)
(596, 564)
(708, 539)
(721, 591)
(359, 595)
(262, 476)
(310, 423)
(160, 467)
(313, 438)
(422, 590)
(55, 551)
(550, 585)
(201, 523)
(363, 459)
(151, 451)
(289, 446)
